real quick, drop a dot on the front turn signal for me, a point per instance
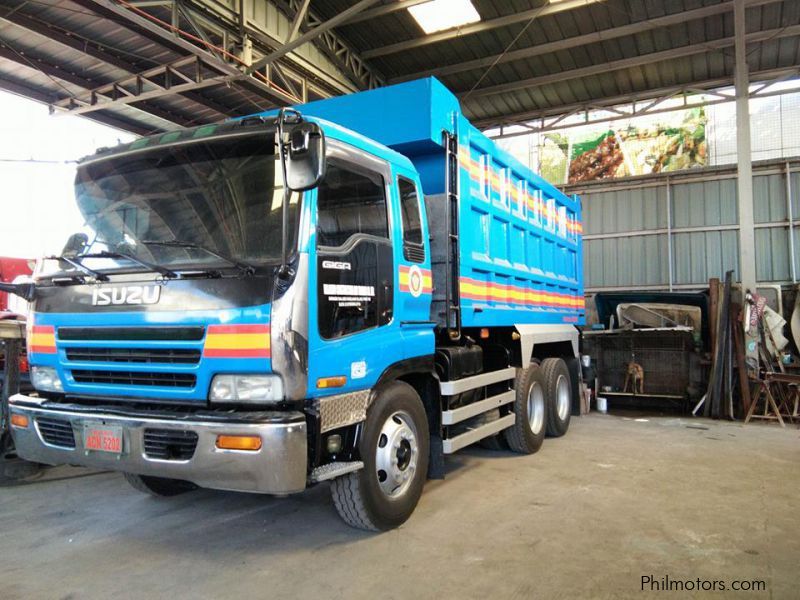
(19, 421)
(331, 382)
(239, 442)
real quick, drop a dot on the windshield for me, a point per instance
(218, 198)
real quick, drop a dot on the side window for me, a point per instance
(350, 201)
(413, 249)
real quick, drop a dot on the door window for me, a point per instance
(354, 257)
(413, 249)
(350, 201)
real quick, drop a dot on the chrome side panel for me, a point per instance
(342, 409)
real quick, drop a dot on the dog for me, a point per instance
(635, 377)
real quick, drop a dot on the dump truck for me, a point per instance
(346, 291)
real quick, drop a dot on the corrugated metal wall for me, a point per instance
(678, 230)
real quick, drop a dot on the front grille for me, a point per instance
(56, 432)
(142, 378)
(134, 355)
(168, 444)
(125, 334)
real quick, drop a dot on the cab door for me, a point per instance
(353, 330)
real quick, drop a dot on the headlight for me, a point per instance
(45, 379)
(246, 388)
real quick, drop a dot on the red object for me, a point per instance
(103, 439)
(10, 269)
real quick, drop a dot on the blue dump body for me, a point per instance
(519, 236)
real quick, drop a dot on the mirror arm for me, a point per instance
(284, 271)
(26, 291)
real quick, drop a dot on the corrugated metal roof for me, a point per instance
(546, 58)
(661, 56)
(54, 50)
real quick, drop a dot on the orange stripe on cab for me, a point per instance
(237, 341)
(42, 339)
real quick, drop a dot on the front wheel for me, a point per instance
(394, 448)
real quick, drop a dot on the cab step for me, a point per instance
(451, 388)
(334, 470)
(457, 415)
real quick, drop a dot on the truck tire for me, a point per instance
(394, 448)
(527, 433)
(558, 392)
(158, 486)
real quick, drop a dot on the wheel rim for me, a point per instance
(536, 407)
(396, 454)
(562, 397)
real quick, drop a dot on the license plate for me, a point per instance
(102, 438)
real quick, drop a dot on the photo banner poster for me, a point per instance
(658, 144)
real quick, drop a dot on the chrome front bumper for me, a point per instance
(279, 467)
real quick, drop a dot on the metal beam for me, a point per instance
(708, 86)
(635, 111)
(144, 86)
(341, 54)
(136, 22)
(744, 177)
(626, 63)
(232, 24)
(298, 20)
(310, 35)
(481, 26)
(97, 51)
(26, 90)
(54, 71)
(580, 40)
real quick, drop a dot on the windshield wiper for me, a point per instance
(245, 268)
(168, 273)
(74, 262)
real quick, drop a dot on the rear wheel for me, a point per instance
(394, 448)
(558, 386)
(158, 486)
(527, 433)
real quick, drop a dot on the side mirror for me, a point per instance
(75, 244)
(305, 165)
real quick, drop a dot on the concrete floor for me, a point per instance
(586, 517)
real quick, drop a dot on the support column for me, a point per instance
(744, 183)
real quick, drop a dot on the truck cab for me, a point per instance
(278, 301)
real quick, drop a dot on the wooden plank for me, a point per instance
(738, 341)
(713, 303)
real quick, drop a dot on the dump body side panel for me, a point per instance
(520, 241)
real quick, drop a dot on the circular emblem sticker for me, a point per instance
(415, 281)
